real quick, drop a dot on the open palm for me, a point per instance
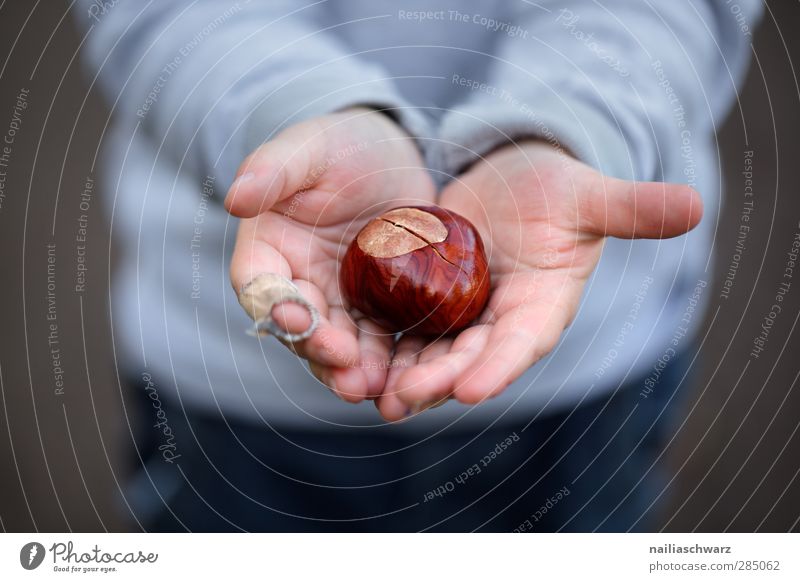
(302, 197)
(543, 217)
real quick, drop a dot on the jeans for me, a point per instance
(597, 467)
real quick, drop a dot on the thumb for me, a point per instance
(275, 171)
(640, 209)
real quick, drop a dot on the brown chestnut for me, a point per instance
(420, 270)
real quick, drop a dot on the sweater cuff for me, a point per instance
(471, 132)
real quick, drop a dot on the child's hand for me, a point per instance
(543, 217)
(302, 197)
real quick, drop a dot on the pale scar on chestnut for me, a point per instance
(400, 231)
(418, 270)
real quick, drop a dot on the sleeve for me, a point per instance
(209, 81)
(621, 84)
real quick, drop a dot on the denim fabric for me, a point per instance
(598, 467)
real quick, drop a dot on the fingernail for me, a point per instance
(235, 187)
(246, 177)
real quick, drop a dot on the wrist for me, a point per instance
(530, 147)
(525, 152)
(376, 113)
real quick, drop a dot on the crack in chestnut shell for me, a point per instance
(400, 231)
(432, 289)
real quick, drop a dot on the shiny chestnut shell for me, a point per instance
(421, 270)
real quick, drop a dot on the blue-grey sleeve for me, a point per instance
(210, 80)
(622, 84)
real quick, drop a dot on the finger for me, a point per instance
(323, 374)
(433, 380)
(348, 384)
(375, 346)
(406, 356)
(411, 352)
(436, 348)
(627, 209)
(330, 344)
(519, 339)
(253, 256)
(426, 353)
(275, 171)
(291, 317)
(350, 381)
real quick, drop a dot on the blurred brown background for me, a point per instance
(62, 457)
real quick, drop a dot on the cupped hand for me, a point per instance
(302, 197)
(543, 217)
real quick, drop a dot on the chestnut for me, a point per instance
(420, 270)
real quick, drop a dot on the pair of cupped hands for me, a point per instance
(542, 214)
